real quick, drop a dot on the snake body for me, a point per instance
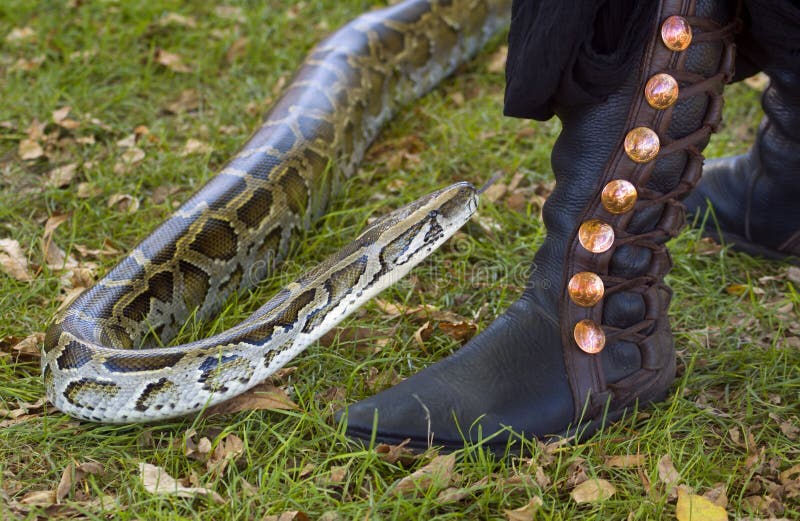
(100, 362)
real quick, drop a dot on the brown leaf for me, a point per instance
(28, 65)
(293, 515)
(526, 512)
(793, 274)
(495, 192)
(20, 34)
(691, 507)
(55, 257)
(437, 475)
(394, 453)
(155, 480)
(123, 203)
(422, 334)
(226, 451)
(262, 396)
(230, 12)
(188, 101)
(667, 472)
(63, 175)
(497, 61)
(61, 114)
(758, 82)
(335, 476)
(707, 246)
(462, 330)
(718, 495)
(178, 19)
(13, 261)
(28, 347)
(41, 498)
(195, 146)
(30, 149)
(236, 50)
(592, 491)
(625, 461)
(73, 475)
(171, 61)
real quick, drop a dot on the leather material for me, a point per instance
(525, 374)
(756, 196)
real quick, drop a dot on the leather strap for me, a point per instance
(652, 335)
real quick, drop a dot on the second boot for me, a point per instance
(589, 338)
(755, 196)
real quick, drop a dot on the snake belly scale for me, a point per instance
(99, 361)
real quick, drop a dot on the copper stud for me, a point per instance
(676, 33)
(586, 289)
(642, 144)
(589, 336)
(596, 236)
(661, 91)
(619, 196)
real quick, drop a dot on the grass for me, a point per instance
(733, 412)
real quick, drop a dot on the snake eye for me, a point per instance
(433, 214)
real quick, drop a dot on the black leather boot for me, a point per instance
(597, 340)
(756, 196)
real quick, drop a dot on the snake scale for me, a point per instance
(101, 361)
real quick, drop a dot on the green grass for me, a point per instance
(738, 353)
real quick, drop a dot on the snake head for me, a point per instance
(414, 231)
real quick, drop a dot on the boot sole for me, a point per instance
(577, 434)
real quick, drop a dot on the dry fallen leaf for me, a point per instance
(20, 34)
(262, 396)
(461, 330)
(435, 475)
(497, 61)
(195, 146)
(74, 475)
(691, 507)
(178, 19)
(30, 149)
(28, 347)
(236, 50)
(293, 515)
(40, 498)
(226, 451)
(54, 256)
(394, 453)
(625, 461)
(758, 82)
(592, 491)
(28, 65)
(63, 175)
(230, 12)
(123, 203)
(188, 100)
(13, 261)
(526, 512)
(667, 472)
(171, 61)
(155, 480)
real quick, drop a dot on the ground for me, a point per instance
(160, 94)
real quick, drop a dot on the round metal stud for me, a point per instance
(619, 196)
(596, 236)
(642, 144)
(589, 336)
(661, 91)
(676, 33)
(586, 289)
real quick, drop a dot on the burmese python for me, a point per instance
(99, 359)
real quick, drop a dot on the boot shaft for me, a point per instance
(621, 168)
